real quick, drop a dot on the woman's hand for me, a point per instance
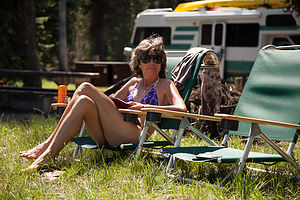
(136, 105)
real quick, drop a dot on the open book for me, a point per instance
(120, 103)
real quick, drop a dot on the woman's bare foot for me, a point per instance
(35, 152)
(36, 165)
(40, 162)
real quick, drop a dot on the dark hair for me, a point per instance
(151, 44)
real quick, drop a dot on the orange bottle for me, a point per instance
(62, 94)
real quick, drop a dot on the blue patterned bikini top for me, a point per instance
(150, 98)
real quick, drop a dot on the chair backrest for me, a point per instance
(188, 86)
(171, 63)
(272, 92)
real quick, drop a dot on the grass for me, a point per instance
(104, 174)
(48, 84)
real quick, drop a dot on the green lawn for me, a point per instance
(47, 84)
(114, 175)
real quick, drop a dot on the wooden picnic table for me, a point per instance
(60, 77)
(111, 71)
(26, 98)
(48, 74)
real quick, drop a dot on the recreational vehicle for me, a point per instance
(235, 33)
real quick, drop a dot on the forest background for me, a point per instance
(96, 29)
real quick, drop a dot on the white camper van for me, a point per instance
(236, 34)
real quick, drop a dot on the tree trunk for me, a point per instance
(26, 31)
(210, 99)
(97, 30)
(63, 51)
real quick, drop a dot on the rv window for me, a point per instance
(280, 20)
(206, 34)
(242, 35)
(218, 34)
(144, 32)
(295, 38)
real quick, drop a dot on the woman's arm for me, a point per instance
(171, 98)
(176, 100)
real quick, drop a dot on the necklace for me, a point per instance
(150, 86)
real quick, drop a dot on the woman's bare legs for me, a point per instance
(39, 149)
(83, 109)
(103, 122)
(115, 130)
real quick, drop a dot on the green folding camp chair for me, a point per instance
(268, 109)
(168, 121)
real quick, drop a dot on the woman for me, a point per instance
(104, 123)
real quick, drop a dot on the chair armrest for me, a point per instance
(181, 114)
(131, 111)
(255, 120)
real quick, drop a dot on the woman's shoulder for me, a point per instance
(133, 80)
(165, 82)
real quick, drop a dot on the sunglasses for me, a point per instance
(147, 58)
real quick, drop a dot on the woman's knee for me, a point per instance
(85, 88)
(85, 101)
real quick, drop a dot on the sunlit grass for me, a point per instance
(115, 175)
(48, 84)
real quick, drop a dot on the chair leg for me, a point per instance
(225, 140)
(81, 133)
(173, 175)
(279, 150)
(183, 124)
(177, 143)
(254, 131)
(170, 163)
(142, 139)
(161, 132)
(228, 175)
(183, 179)
(290, 149)
(209, 141)
(174, 134)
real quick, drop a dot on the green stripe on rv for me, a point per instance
(238, 66)
(187, 28)
(183, 37)
(278, 28)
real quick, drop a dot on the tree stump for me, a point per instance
(211, 95)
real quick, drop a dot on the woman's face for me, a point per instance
(150, 64)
